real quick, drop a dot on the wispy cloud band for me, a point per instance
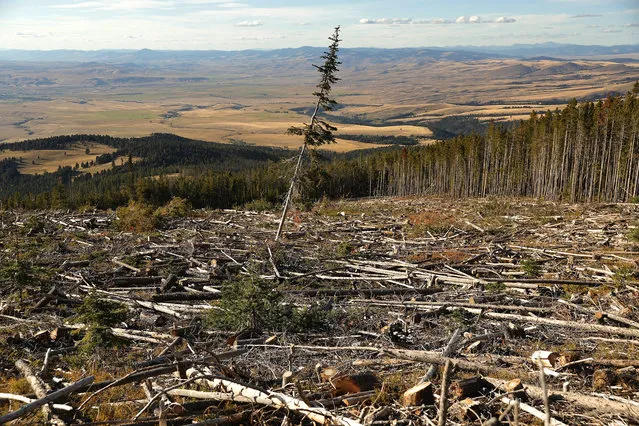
(474, 19)
(257, 23)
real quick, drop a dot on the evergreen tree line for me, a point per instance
(586, 152)
(160, 154)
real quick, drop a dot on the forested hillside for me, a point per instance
(585, 152)
(160, 154)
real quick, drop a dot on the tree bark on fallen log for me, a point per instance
(532, 411)
(47, 399)
(436, 358)
(590, 403)
(21, 398)
(39, 387)
(371, 291)
(630, 332)
(184, 297)
(243, 393)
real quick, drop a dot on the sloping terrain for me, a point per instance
(215, 321)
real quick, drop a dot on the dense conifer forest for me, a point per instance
(585, 152)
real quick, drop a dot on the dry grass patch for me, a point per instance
(48, 160)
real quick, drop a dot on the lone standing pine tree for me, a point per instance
(317, 132)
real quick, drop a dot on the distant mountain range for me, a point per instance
(146, 56)
(553, 50)
(454, 53)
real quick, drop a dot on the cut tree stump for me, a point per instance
(472, 387)
(421, 394)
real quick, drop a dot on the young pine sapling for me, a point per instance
(317, 132)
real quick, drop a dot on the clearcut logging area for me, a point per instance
(409, 311)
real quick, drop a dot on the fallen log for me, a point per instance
(185, 297)
(531, 410)
(46, 299)
(348, 400)
(126, 265)
(133, 281)
(566, 324)
(39, 387)
(468, 305)
(544, 281)
(168, 283)
(21, 398)
(589, 403)
(372, 291)
(436, 358)
(46, 399)
(244, 393)
(622, 320)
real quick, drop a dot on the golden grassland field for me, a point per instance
(246, 104)
(48, 160)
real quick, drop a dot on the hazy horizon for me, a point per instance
(457, 47)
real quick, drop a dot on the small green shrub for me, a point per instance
(22, 274)
(34, 225)
(495, 287)
(624, 274)
(99, 315)
(344, 249)
(250, 302)
(176, 208)
(312, 318)
(136, 217)
(97, 312)
(634, 235)
(461, 317)
(531, 268)
(254, 302)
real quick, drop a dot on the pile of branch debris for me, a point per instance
(375, 312)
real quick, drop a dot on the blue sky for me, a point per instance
(267, 24)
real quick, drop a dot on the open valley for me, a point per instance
(253, 99)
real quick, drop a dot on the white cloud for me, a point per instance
(586, 15)
(504, 20)
(257, 23)
(387, 21)
(461, 20)
(611, 30)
